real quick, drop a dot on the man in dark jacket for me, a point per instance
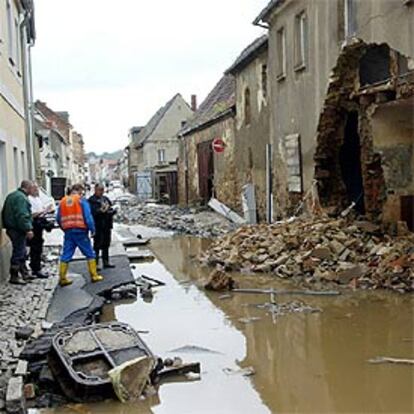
(17, 220)
(103, 214)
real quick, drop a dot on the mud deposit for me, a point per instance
(301, 362)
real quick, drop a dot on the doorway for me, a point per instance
(205, 171)
(350, 162)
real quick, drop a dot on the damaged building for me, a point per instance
(344, 93)
(236, 115)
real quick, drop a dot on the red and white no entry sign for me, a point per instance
(218, 145)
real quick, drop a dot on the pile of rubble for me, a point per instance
(190, 221)
(357, 254)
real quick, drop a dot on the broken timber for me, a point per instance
(383, 360)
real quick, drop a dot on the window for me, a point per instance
(23, 165)
(350, 18)
(16, 166)
(13, 36)
(3, 171)
(294, 163)
(264, 81)
(10, 32)
(17, 49)
(281, 53)
(247, 107)
(161, 155)
(301, 40)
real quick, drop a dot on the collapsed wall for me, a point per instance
(365, 134)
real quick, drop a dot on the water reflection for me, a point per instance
(318, 362)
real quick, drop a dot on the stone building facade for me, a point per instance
(237, 112)
(203, 174)
(252, 119)
(341, 78)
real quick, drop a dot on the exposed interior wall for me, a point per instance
(393, 138)
(384, 128)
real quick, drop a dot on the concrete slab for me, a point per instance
(137, 254)
(120, 275)
(69, 299)
(134, 242)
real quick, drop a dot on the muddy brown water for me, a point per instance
(303, 363)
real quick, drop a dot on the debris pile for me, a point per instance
(195, 222)
(357, 254)
(219, 281)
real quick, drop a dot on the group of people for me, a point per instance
(24, 218)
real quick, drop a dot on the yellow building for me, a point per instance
(16, 160)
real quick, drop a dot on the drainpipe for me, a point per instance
(26, 74)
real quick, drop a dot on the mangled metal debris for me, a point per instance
(108, 360)
(82, 358)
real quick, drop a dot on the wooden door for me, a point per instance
(205, 170)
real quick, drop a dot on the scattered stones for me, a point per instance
(314, 250)
(29, 391)
(15, 401)
(24, 333)
(219, 281)
(196, 222)
(21, 368)
(22, 311)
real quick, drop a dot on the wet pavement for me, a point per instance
(314, 362)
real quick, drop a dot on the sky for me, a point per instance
(112, 64)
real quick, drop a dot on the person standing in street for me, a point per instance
(17, 220)
(39, 210)
(75, 219)
(103, 214)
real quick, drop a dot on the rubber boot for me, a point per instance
(26, 275)
(63, 274)
(93, 272)
(15, 277)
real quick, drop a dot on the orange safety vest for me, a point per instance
(71, 213)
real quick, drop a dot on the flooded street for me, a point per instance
(313, 362)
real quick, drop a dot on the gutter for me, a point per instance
(26, 67)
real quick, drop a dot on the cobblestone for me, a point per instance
(22, 308)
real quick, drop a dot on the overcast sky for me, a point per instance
(112, 64)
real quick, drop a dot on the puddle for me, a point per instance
(302, 362)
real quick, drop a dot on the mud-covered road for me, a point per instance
(313, 362)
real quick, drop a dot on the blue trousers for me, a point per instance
(76, 238)
(18, 240)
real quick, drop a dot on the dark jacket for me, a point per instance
(16, 213)
(103, 220)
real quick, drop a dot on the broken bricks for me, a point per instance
(313, 250)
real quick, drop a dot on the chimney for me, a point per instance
(194, 102)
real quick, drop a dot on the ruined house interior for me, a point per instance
(365, 135)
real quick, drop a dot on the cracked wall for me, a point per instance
(386, 134)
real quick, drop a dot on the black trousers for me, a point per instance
(101, 243)
(18, 240)
(36, 249)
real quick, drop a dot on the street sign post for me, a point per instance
(218, 145)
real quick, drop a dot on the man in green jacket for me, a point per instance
(18, 222)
